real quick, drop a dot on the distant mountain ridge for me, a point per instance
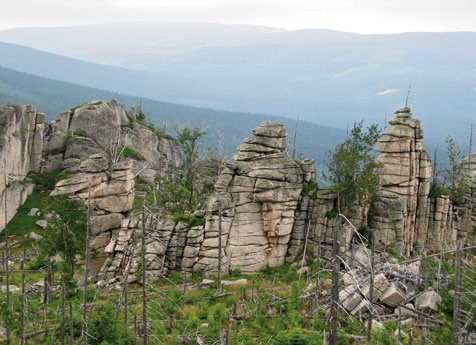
(327, 77)
(310, 73)
(53, 97)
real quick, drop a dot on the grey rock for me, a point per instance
(42, 223)
(34, 211)
(35, 236)
(392, 296)
(428, 302)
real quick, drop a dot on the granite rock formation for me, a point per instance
(266, 208)
(21, 144)
(253, 208)
(103, 127)
(103, 150)
(401, 210)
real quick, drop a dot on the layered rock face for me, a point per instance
(109, 192)
(21, 144)
(266, 209)
(164, 244)
(402, 207)
(254, 206)
(102, 127)
(104, 150)
(467, 216)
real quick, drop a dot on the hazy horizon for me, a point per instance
(363, 16)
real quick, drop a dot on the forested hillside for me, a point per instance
(52, 97)
(328, 77)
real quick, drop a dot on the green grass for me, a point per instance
(22, 223)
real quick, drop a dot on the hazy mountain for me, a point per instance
(328, 77)
(229, 128)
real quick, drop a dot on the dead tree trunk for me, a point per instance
(144, 281)
(7, 249)
(23, 340)
(371, 292)
(84, 336)
(218, 293)
(335, 285)
(457, 297)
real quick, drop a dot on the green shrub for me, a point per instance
(104, 330)
(188, 219)
(46, 181)
(74, 155)
(235, 272)
(197, 275)
(311, 188)
(80, 133)
(130, 153)
(332, 214)
(296, 336)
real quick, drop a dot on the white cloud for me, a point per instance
(387, 92)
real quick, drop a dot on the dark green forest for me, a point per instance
(53, 97)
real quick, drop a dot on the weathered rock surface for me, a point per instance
(266, 206)
(164, 244)
(254, 207)
(401, 210)
(21, 144)
(428, 302)
(103, 128)
(107, 189)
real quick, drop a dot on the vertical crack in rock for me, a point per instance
(258, 195)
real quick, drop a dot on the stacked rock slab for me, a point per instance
(21, 143)
(253, 207)
(94, 143)
(402, 207)
(109, 193)
(163, 241)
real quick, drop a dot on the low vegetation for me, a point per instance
(274, 306)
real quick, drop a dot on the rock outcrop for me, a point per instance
(402, 207)
(266, 208)
(103, 150)
(103, 127)
(109, 192)
(253, 208)
(470, 170)
(21, 144)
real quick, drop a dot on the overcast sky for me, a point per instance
(361, 16)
